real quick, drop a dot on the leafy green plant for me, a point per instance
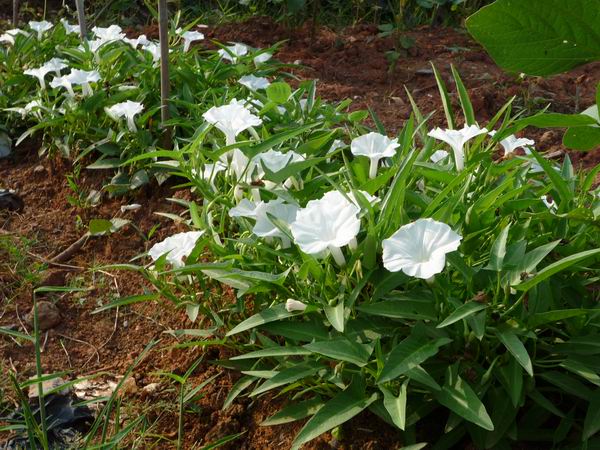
(545, 38)
(496, 343)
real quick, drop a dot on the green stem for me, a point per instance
(39, 373)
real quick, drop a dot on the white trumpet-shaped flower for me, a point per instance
(231, 119)
(189, 37)
(254, 83)
(127, 109)
(54, 65)
(374, 146)
(260, 212)
(233, 52)
(10, 35)
(176, 247)
(457, 139)
(40, 27)
(262, 58)
(32, 106)
(511, 143)
(77, 77)
(69, 29)
(292, 305)
(326, 225)
(419, 248)
(275, 160)
(109, 34)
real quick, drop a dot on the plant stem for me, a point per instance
(39, 373)
(373, 168)
(337, 254)
(163, 31)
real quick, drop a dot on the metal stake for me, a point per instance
(163, 31)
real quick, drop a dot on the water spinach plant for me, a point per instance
(445, 279)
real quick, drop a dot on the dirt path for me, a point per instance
(347, 64)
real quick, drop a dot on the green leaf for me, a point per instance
(511, 377)
(539, 37)
(408, 354)
(462, 312)
(273, 352)
(582, 138)
(287, 376)
(462, 400)
(98, 227)
(335, 315)
(296, 411)
(557, 180)
(272, 314)
(408, 308)
(555, 316)
(396, 406)
(336, 411)
(556, 267)
(463, 96)
(446, 102)
(514, 345)
(342, 350)
(537, 397)
(566, 384)
(279, 92)
(498, 251)
(591, 424)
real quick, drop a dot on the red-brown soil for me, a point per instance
(350, 63)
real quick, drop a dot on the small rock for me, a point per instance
(548, 139)
(55, 278)
(48, 315)
(151, 388)
(47, 386)
(38, 169)
(129, 387)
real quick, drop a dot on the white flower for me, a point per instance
(10, 35)
(457, 140)
(29, 107)
(39, 73)
(110, 34)
(550, 203)
(511, 143)
(260, 211)
(132, 207)
(56, 65)
(294, 305)
(84, 78)
(275, 160)
(374, 146)
(189, 37)
(178, 246)
(63, 81)
(40, 27)
(69, 29)
(231, 119)
(254, 83)
(127, 109)
(326, 225)
(153, 49)
(245, 208)
(262, 58)
(439, 156)
(419, 248)
(233, 52)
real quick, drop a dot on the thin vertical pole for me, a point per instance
(163, 32)
(15, 13)
(81, 18)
